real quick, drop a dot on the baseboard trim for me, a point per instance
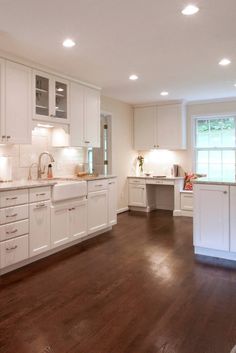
(215, 253)
(121, 210)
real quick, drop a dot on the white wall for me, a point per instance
(123, 154)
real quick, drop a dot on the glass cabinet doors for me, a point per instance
(51, 98)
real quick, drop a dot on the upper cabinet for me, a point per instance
(16, 107)
(161, 127)
(84, 116)
(50, 98)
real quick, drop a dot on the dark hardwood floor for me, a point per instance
(136, 289)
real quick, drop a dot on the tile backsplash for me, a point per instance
(22, 156)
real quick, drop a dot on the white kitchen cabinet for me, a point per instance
(85, 116)
(171, 127)
(60, 228)
(78, 220)
(2, 101)
(160, 126)
(51, 98)
(39, 236)
(137, 193)
(112, 202)
(211, 216)
(144, 128)
(13, 251)
(233, 218)
(97, 211)
(17, 113)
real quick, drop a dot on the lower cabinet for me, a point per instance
(13, 251)
(68, 222)
(112, 202)
(211, 216)
(137, 194)
(97, 210)
(39, 239)
(233, 218)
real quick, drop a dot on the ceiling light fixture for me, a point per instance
(164, 93)
(133, 77)
(68, 43)
(190, 10)
(224, 62)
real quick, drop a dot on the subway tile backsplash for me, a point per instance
(22, 156)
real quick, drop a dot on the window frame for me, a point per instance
(194, 120)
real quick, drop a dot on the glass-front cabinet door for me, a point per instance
(51, 98)
(61, 89)
(42, 96)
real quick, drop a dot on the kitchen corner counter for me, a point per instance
(212, 181)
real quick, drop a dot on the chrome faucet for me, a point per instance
(40, 170)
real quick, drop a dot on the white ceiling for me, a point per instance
(116, 38)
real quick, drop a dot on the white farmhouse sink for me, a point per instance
(68, 189)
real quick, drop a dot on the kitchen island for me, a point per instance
(214, 217)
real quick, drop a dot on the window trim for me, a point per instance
(194, 133)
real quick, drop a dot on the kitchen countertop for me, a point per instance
(26, 184)
(218, 181)
(156, 178)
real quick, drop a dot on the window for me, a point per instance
(215, 146)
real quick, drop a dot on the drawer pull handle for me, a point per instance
(12, 215)
(42, 194)
(111, 182)
(41, 205)
(11, 198)
(12, 248)
(71, 209)
(98, 185)
(86, 141)
(13, 231)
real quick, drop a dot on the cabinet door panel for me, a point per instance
(137, 195)
(13, 251)
(61, 89)
(78, 220)
(112, 201)
(60, 231)
(211, 216)
(171, 129)
(39, 227)
(76, 115)
(91, 117)
(233, 218)
(97, 211)
(144, 128)
(18, 103)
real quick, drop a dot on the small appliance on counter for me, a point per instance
(175, 170)
(5, 169)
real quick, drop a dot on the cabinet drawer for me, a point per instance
(137, 181)
(13, 251)
(13, 230)
(40, 194)
(13, 214)
(160, 182)
(187, 201)
(97, 185)
(13, 198)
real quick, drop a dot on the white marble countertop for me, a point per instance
(26, 184)
(155, 177)
(215, 181)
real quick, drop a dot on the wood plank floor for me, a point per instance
(136, 289)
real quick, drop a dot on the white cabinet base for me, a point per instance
(215, 253)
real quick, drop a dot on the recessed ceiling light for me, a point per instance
(190, 10)
(133, 77)
(164, 93)
(235, 85)
(68, 43)
(224, 62)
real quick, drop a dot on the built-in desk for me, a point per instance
(150, 193)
